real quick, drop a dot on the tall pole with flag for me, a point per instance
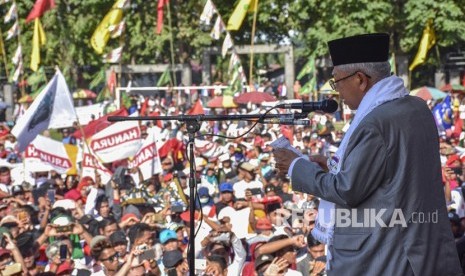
(428, 40)
(255, 9)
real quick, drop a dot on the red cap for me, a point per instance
(168, 177)
(64, 268)
(73, 194)
(452, 159)
(128, 216)
(264, 224)
(4, 251)
(185, 216)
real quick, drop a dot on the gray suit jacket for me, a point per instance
(392, 168)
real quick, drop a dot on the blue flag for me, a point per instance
(443, 114)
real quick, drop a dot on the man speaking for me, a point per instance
(383, 209)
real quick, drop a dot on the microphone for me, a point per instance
(327, 106)
(286, 121)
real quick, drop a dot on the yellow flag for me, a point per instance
(238, 15)
(72, 152)
(427, 41)
(101, 35)
(38, 39)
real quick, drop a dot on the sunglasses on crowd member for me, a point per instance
(111, 259)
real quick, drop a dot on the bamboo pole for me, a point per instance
(252, 46)
(171, 46)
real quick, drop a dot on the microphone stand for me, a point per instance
(193, 123)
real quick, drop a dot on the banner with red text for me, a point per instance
(91, 165)
(118, 141)
(147, 159)
(61, 157)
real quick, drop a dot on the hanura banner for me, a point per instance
(61, 157)
(90, 165)
(116, 142)
(147, 158)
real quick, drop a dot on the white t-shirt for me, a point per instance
(240, 187)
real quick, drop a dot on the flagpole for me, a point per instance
(21, 72)
(252, 45)
(4, 54)
(171, 45)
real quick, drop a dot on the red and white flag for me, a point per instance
(117, 30)
(147, 158)
(218, 29)
(114, 56)
(116, 142)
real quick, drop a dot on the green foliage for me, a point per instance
(306, 24)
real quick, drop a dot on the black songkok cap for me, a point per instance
(359, 49)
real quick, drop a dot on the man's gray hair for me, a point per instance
(376, 70)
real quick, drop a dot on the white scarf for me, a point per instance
(385, 90)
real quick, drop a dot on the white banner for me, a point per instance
(147, 158)
(61, 157)
(118, 141)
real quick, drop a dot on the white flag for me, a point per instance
(146, 158)
(233, 61)
(227, 44)
(122, 4)
(18, 70)
(52, 108)
(114, 56)
(18, 55)
(207, 13)
(61, 157)
(218, 29)
(117, 30)
(116, 142)
(12, 13)
(13, 31)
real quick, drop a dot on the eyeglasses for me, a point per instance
(332, 82)
(111, 259)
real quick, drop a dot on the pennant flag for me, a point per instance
(117, 30)
(165, 78)
(238, 15)
(197, 109)
(13, 31)
(427, 42)
(392, 63)
(309, 87)
(52, 108)
(62, 157)
(161, 5)
(146, 158)
(207, 13)
(227, 44)
(443, 114)
(309, 68)
(118, 141)
(18, 70)
(12, 13)
(18, 55)
(40, 7)
(101, 34)
(114, 56)
(218, 29)
(38, 39)
(90, 164)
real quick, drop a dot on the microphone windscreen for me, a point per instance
(330, 106)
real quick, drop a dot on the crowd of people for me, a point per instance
(248, 220)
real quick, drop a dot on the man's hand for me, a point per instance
(320, 160)
(283, 159)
